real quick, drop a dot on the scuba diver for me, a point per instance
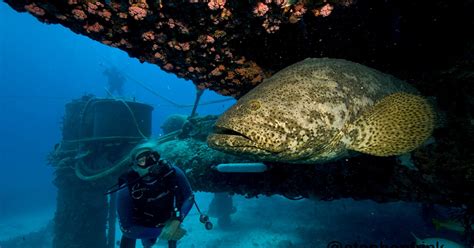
(115, 80)
(153, 199)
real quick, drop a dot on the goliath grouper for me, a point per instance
(321, 109)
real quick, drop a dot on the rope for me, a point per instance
(34, 97)
(199, 93)
(177, 105)
(101, 138)
(134, 119)
(83, 112)
(168, 137)
(197, 207)
(129, 110)
(59, 98)
(212, 102)
(155, 93)
(80, 163)
(78, 169)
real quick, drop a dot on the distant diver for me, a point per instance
(322, 109)
(155, 200)
(222, 207)
(115, 80)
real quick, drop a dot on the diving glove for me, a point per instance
(180, 232)
(172, 231)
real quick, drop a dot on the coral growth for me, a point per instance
(196, 39)
(217, 71)
(179, 46)
(148, 36)
(252, 72)
(35, 10)
(216, 4)
(79, 14)
(324, 11)
(168, 67)
(94, 28)
(261, 9)
(138, 13)
(105, 14)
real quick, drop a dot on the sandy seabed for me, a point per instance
(268, 222)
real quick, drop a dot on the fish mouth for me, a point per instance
(229, 132)
(229, 140)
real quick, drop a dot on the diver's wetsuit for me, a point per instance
(145, 205)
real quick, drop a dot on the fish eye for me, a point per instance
(254, 105)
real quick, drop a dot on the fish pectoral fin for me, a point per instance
(397, 124)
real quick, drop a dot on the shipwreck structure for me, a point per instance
(98, 135)
(231, 46)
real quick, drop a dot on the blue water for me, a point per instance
(43, 67)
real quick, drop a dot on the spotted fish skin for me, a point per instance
(303, 113)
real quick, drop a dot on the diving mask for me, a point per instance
(147, 159)
(144, 161)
